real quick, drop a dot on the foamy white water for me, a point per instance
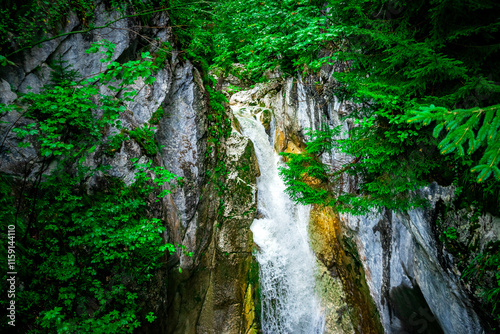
(287, 264)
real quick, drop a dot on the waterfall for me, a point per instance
(287, 264)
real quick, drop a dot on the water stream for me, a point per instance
(287, 264)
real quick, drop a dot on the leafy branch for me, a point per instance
(473, 128)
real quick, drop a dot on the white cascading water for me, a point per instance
(287, 264)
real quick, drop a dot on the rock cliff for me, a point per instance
(216, 290)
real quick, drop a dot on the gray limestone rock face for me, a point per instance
(214, 294)
(413, 291)
(227, 308)
(14, 159)
(180, 134)
(33, 72)
(7, 96)
(36, 56)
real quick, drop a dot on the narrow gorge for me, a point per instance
(190, 167)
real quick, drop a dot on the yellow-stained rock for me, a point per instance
(250, 324)
(280, 143)
(345, 293)
(292, 148)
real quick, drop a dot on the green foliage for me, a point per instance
(377, 191)
(85, 255)
(145, 138)
(408, 76)
(450, 234)
(157, 115)
(7, 200)
(268, 34)
(151, 317)
(87, 252)
(478, 127)
(442, 71)
(305, 176)
(219, 124)
(302, 176)
(28, 21)
(115, 143)
(233, 89)
(192, 24)
(481, 267)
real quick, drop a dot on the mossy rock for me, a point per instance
(157, 115)
(265, 118)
